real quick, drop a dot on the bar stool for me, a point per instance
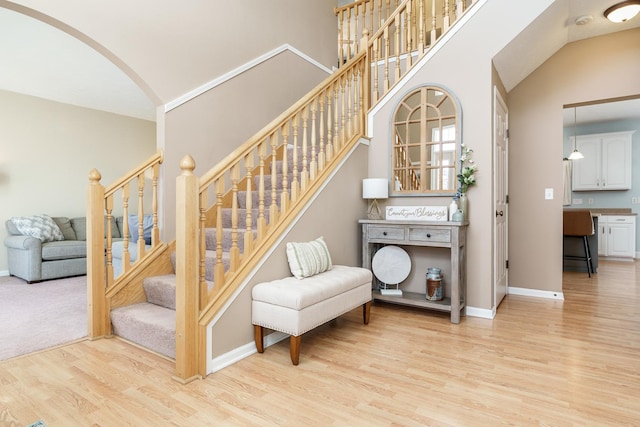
(579, 223)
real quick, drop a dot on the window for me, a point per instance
(425, 144)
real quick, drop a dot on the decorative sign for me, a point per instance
(417, 213)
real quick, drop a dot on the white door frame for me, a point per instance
(500, 196)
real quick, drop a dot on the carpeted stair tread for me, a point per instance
(148, 325)
(161, 290)
(211, 238)
(242, 215)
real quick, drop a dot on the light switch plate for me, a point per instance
(548, 193)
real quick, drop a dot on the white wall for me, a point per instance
(47, 150)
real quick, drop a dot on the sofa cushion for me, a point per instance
(65, 226)
(309, 258)
(299, 294)
(39, 226)
(147, 225)
(65, 249)
(79, 225)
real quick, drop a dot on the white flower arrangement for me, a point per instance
(466, 177)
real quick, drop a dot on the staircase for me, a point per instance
(152, 324)
(228, 218)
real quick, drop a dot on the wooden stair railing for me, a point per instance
(294, 153)
(101, 204)
(411, 26)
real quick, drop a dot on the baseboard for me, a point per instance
(240, 353)
(536, 293)
(481, 312)
(4, 273)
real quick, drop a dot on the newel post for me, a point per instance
(99, 324)
(187, 256)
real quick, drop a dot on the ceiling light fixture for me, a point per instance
(575, 155)
(623, 11)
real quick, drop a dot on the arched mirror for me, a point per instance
(426, 144)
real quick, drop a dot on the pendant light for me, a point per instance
(575, 155)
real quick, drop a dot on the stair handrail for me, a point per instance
(100, 223)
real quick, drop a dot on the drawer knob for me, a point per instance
(384, 233)
(429, 235)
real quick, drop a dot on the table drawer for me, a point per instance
(386, 233)
(429, 235)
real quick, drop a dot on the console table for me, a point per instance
(448, 234)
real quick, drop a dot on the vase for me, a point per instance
(463, 205)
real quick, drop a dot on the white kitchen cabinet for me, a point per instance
(606, 164)
(617, 236)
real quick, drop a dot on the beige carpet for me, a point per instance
(41, 315)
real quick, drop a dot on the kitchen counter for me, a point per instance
(606, 211)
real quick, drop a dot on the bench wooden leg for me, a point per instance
(294, 349)
(366, 312)
(258, 333)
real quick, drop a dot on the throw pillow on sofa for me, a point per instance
(41, 227)
(147, 225)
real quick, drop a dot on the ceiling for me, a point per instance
(48, 63)
(39, 60)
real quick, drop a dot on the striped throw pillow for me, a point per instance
(309, 258)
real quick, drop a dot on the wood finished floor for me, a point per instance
(539, 362)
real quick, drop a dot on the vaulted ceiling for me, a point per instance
(42, 61)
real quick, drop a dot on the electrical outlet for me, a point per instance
(634, 200)
(577, 201)
(590, 201)
(548, 193)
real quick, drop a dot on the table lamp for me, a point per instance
(374, 189)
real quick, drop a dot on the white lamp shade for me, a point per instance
(375, 188)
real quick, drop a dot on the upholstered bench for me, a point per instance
(294, 306)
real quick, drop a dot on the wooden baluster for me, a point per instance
(203, 286)
(459, 9)
(371, 20)
(336, 117)
(434, 34)
(380, 19)
(141, 241)
(409, 28)
(354, 37)
(357, 101)
(340, 39)
(284, 195)
(313, 166)
(421, 32)
(363, 20)
(353, 126)
(376, 67)
(304, 175)
(347, 116)
(343, 115)
(397, 47)
(218, 269)
(349, 54)
(329, 148)
(388, 7)
(248, 234)
(387, 49)
(445, 21)
(108, 204)
(234, 252)
(155, 232)
(262, 221)
(273, 208)
(295, 181)
(126, 256)
(321, 132)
